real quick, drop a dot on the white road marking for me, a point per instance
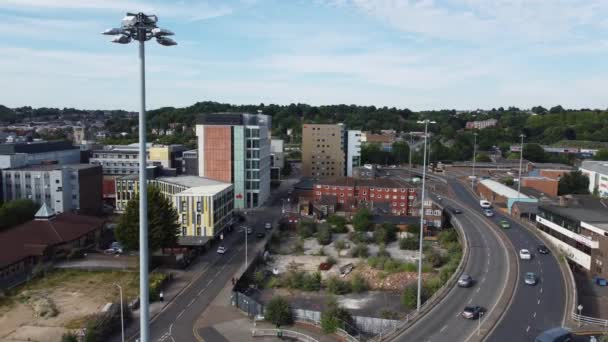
(541, 290)
(479, 288)
(483, 279)
(172, 339)
(470, 300)
(209, 282)
(170, 327)
(181, 313)
(538, 302)
(442, 329)
(534, 315)
(528, 328)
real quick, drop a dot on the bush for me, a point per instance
(337, 286)
(385, 234)
(338, 224)
(258, 279)
(298, 247)
(409, 298)
(307, 229)
(360, 251)
(69, 337)
(324, 235)
(388, 314)
(311, 282)
(302, 281)
(433, 285)
(359, 237)
(448, 235)
(334, 317)
(340, 245)
(382, 252)
(278, 312)
(157, 280)
(101, 326)
(358, 284)
(362, 221)
(436, 259)
(409, 243)
(331, 260)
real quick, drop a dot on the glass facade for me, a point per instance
(239, 166)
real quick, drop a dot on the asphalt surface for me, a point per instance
(176, 322)
(533, 308)
(487, 265)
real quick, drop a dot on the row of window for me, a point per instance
(350, 188)
(118, 156)
(581, 247)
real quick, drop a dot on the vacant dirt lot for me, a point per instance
(74, 294)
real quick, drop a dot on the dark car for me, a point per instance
(456, 211)
(554, 335)
(260, 234)
(542, 249)
(472, 312)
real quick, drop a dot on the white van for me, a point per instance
(485, 204)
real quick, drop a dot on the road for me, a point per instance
(534, 308)
(487, 265)
(177, 320)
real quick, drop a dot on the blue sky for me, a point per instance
(423, 54)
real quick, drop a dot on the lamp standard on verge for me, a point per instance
(142, 27)
(521, 157)
(419, 298)
(580, 310)
(122, 319)
(474, 159)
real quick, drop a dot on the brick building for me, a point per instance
(553, 174)
(387, 195)
(545, 185)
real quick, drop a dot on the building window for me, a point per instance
(183, 219)
(198, 206)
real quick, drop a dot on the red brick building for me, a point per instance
(553, 174)
(388, 195)
(545, 185)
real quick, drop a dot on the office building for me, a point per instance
(323, 150)
(353, 151)
(235, 148)
(64, 188)
(120, 160)
(578, 227)
(597, 171)
(190, 163)
(277, 158)
(204, 206)
(32, 153)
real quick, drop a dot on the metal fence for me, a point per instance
(586, 320)
(283, 333)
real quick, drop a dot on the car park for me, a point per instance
(524, 254)
(542, 249)
(488, 212)
(504, 224)
(465, 280)
(221, 250)
(472, 312)
(530, 279)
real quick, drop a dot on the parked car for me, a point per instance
(260, 234)
(268, 225)
(485, 204)
(542, 249)
(488, 212)
(472, 312)
(465, 280)
(113, 250)
(558, 334)
(456, 211)
(524, 254)
(530, 278)
(504, 224)
(221, 250)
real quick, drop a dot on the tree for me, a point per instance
(557, 109)
(602, 154)
(278, 312)
(483, 158)
(386, 233)
(324, 234)
(162, 222)
(400, 152)
(534, 152)
(334, 317)
(338, 224)
(362, 221)
(18, 211)
(574, 182)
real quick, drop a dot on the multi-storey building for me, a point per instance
(204, 206)
(597, 171)
(235, 148)
(190, 163)
(32, 153)
(74, 187)
(277, 158)
(120, 160)
(578, 226)
(349, 194)
(323, 150)
(353, 151)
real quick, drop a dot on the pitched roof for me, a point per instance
(33, 237)
(45, 212)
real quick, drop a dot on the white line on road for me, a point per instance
(201, 291)
(528, 328)
(470, 300)
(541, 290)
(172, 339)
(538, 302)
(191, 302)
(442, 329)
(483, 279)
(209, 282)
(181, 313)
(170, 327)
(479, 288)
(534, 315)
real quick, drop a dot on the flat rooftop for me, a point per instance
(584, 208)
(351, 182)
(502, 189)
(191, 181)
(51, 167)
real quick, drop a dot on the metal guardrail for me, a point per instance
(283, 333)
(340, 332)
(438, 296)
(590, 320)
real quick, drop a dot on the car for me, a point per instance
(485, 204)
(542, 249)
(504, 224)
(113, 250)
(221, 250)
(260, 234)
(488, 212)
(456, 211)
(558, 334)
(530, 278)
(268, 225)
(472, 312)
(465, 280)
(524, 254)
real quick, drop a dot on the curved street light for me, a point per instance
(142, 27)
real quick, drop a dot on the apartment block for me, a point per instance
(235, 148)
(15, 155)
(578, 226)
(353, 151)
(64, 188)
(204, 206)
(120, 160)
(277, 158)
(323, 150)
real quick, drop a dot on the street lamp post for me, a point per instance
(419, 298)
(474, 159)
(410, 150)
(142, 27)
(521, 157)
(122, 319)
(580, 310)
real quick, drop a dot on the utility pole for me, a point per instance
(474, 159)
(521, 158)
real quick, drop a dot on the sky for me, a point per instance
(418, 54)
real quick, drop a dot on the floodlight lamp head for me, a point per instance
(129, 21)
(159, 32)
(165, 41)
(112, 31)
(121, 39)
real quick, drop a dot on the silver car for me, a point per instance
(465, 280)
(530, 279)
